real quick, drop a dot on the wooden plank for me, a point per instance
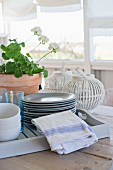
(48, 160)
(106, 141)
(100, 150)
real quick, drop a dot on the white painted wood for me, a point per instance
(104, 69)
(101, 131)
(107, 65)
(2, 35)
(56, 64)
(100, 128)
(71, 64)
(86, 40)
(23, 146)
(108, 100)
(105, 113)
(36, 144)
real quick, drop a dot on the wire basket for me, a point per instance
(57, 81)
(88, 90)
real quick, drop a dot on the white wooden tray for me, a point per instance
(32, 141)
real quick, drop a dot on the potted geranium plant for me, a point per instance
(20, 72)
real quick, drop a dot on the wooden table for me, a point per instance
(96, 157)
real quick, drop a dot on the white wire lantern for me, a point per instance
(88, 90)
(57, 81)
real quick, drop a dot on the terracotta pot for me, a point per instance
(26, 83)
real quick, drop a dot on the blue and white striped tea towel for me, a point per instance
(65, 132)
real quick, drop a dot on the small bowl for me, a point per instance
(9, 113)
(8, 133)
(11, 125)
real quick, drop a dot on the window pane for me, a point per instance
(63, 28)
(1, 20)
(103, 48)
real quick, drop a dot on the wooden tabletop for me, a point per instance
(96, 157)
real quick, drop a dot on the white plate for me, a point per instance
(46, 112)
(49, 97)
(49, 107)
(48, 104)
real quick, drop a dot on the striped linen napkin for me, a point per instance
(65, 132)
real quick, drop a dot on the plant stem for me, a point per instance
(35, 47)
(44, 56)
(29, 38)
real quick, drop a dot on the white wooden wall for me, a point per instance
(102, 71)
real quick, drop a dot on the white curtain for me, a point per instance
(15, 10)
(66, 8)
(99, 8)
(57, 2)
(59, 5)
(99, 13)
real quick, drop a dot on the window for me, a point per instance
(102, 44)
(67, 29)
(103, 48)
(64, 28)
(99, 17)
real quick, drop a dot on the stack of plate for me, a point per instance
(42, 104)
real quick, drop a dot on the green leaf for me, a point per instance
(2, 68)
(27, 70)
(35, 69)
(14, 40)
(20, 64)
(18, 73)
(10, 67)
(10, 54)
(21, 58)
(5, 57)
(22, 44)
(14, 47)
(3, 47)
(28, 55)
(45, 73)
(30, 73)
